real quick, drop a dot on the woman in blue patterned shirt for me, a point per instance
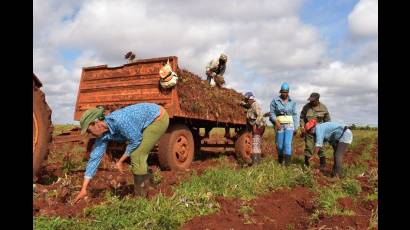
(284, 117)
(142, 125)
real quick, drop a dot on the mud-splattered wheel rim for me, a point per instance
(35, 131)
(248, 146)
(181, 149)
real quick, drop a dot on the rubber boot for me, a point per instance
(307, 163)
(322, 166)
(280, 158)
(141, 183)
(287, 159)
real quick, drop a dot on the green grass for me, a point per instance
(362, 136)
(372, 196)
(246, 183)
(290, 226)
(46, 223)
(327, 196)
(191, 198)
(327, 201)
(360, 165)
(196, 196)
(366, 155)
(351, 186)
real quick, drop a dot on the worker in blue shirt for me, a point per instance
(142, 125)
(284, 117)
(338, 135)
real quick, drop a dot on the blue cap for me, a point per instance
(284, 87)
(249, 95)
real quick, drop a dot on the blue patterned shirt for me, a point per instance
(126, 124)
(278, 107)
(328, 131)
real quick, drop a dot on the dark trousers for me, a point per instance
(339, 149)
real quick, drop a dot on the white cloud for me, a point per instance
(363, 20)
(349, 91)
(273, 38)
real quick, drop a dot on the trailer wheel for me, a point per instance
(243, 146)
(42, 129)
(176, 148)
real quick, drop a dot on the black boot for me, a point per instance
(287, 159)
(280, 158)
(307, 163)
(322, 166)
(141, 183)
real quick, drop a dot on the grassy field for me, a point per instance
(196, 196)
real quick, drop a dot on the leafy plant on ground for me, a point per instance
(372, 196)
(327, 201)
(351, 186)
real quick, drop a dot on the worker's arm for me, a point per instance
(272, 117)
(92, 166)
(95, 158)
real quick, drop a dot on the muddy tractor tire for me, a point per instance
(176, 148)
(243, 146)
(42, 129)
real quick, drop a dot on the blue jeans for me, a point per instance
(284, 138)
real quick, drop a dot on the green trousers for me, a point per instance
(150, 137)
(310, 144)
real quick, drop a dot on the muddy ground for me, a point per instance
(282, 209)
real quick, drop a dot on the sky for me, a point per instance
(324, 46)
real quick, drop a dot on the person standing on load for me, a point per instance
(256, 121)
(338, 135)
(284, 117)
(142, 125)
(216, 69)
(313, 110)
